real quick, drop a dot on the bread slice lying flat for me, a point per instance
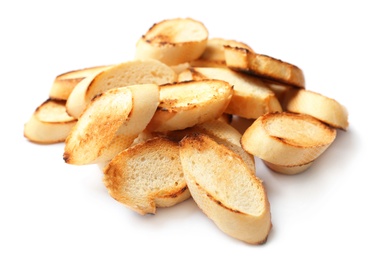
(267, 67)
(173, 41)
(49, 123)
(225, 189)
(185, 104)
(64, 83)
(213, 56)
(120, 75)
(110, 124)
(147, 176)
(251, 98)
(326, 109)
(288, 140)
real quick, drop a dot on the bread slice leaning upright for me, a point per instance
(225, 189)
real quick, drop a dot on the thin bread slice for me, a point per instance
(64, 83)
(173, 41)
(288, 169)
(120, 75)
(287, 139)
(185, 104)
(267, 67)
(213, 56)
(147, 176)
(251, 98)
(225, 189)
(49, 123)
(324, 108)
(110, 123)
(226, 134)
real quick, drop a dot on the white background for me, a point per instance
(50, 210)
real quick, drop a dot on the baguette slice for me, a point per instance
(124, 74)
(221, 132)
(173, 41)
(264, 66)
(287, 139)
(49, 123)
(110, 124)
(64, 83)
(147, 176)
(213, 56)
(188, 103)
(326, 109)
(251, 98)
(225, 189)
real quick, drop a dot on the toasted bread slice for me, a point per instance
(64, 83)
(221, 132)
(251, 98)
(147, 176)
(124, 74)
(225, 189)
(288, 169)
(324, 108)
(110, 124)
(49, 123)
(287, 139)
(188, 103)
(213, 56)
(173, 41)
(267, 67)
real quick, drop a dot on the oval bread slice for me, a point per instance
(326, 109)
(110, 123)
(251, 98)
(147, 176)
(49, 123)
(64, 83)
(124, 74)
(287, 139)
(225, 189)
(173, 41)
(267, 67)
(213, 56)
(185, 104)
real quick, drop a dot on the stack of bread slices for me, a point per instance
(161, 128)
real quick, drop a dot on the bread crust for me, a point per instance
(261, 65)
(147, 176)
(49, 123)
(287, 139)
(173, 41)
(225, 189)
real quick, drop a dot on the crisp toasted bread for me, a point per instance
(110, 124)
(64, 83)
(173, 41)
(49, 123)
(185, 104)
(225, 189)
(267, 67)
(251, 98)
(120, 75)
(288, 139)
(147, 176)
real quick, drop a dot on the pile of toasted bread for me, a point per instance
(161, 129)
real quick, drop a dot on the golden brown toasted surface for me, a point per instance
(225, 189)
(185, 104)
(173, 41)
(287, 139)
(49, 123)
(264, 66)
(251, 97)
(147, 175)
